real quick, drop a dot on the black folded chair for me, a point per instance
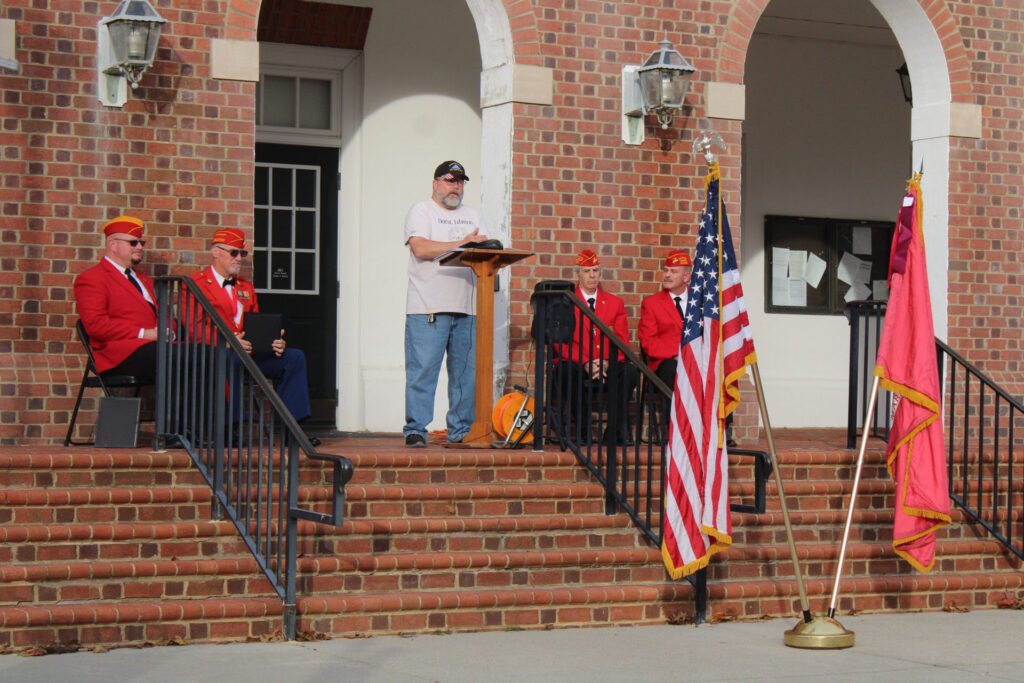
(93, 380)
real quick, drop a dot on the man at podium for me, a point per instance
(440, 312)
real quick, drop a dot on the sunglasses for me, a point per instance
(133, 243)
(235, 253)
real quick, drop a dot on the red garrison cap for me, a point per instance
(128, 225)
(587, 258)
(678, 258)
(231, 237)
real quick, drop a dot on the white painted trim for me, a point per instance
(496, 203)
(303, 136)
(494, 34)
(349, 362)
(930, 130)
(304, 55)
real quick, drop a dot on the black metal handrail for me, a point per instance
(866, 319)
(984, 438)
(212, 398)
(622, 442)
(983, 426)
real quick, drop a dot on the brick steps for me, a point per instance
(755, 599)
(124, 622)
(426, 611)
(119, 548)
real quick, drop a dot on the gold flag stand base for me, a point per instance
(820, 633)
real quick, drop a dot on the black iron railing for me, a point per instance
(213, 400)
(612, 414)
(983, 427)
(866, 319)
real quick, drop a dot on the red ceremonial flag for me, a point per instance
(907, 367)
(714, 351)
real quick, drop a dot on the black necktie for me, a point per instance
(590, 302)
(136, 285)
(679, 307)
(230, 282)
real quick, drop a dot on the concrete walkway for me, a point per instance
(889, 647)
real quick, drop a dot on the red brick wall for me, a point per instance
(986, 305)
(576, 184)
(179, 155)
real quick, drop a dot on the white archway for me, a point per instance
(930, 132)
(496, 51)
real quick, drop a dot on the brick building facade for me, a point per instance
(180, 156)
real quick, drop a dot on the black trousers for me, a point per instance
(581, 394)
(140, 365)
(666, 372)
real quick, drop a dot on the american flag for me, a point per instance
(715, 349)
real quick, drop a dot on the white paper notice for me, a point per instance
(861, 240)
(880, 290)
(780, 291)
(780, 262)
(864, 273)
(797, 261)
(852, 270)
(857, 292)
(814, 269)
(797, 293)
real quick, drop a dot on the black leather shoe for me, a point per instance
(415, 441)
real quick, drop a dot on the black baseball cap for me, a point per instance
(452, 168)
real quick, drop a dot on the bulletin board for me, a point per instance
(816, 265)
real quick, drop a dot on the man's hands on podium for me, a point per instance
(427, 250)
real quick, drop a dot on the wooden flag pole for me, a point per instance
(853, 495)
(812, 632)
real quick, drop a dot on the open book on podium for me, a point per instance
(485, 264)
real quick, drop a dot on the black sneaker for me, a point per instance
(415, 441)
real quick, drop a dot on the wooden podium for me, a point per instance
(485, 264)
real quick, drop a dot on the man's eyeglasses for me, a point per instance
(235, 253)
(133, 243)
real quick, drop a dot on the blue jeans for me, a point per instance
(425, 345)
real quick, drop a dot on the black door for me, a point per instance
(295, 257)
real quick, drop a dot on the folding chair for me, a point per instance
(93, 379)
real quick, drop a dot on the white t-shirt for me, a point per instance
(434, 288)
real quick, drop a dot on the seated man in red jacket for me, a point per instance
(233, 297)
(661, 325)
(661, 317)
(117, 305)
(584, 366)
